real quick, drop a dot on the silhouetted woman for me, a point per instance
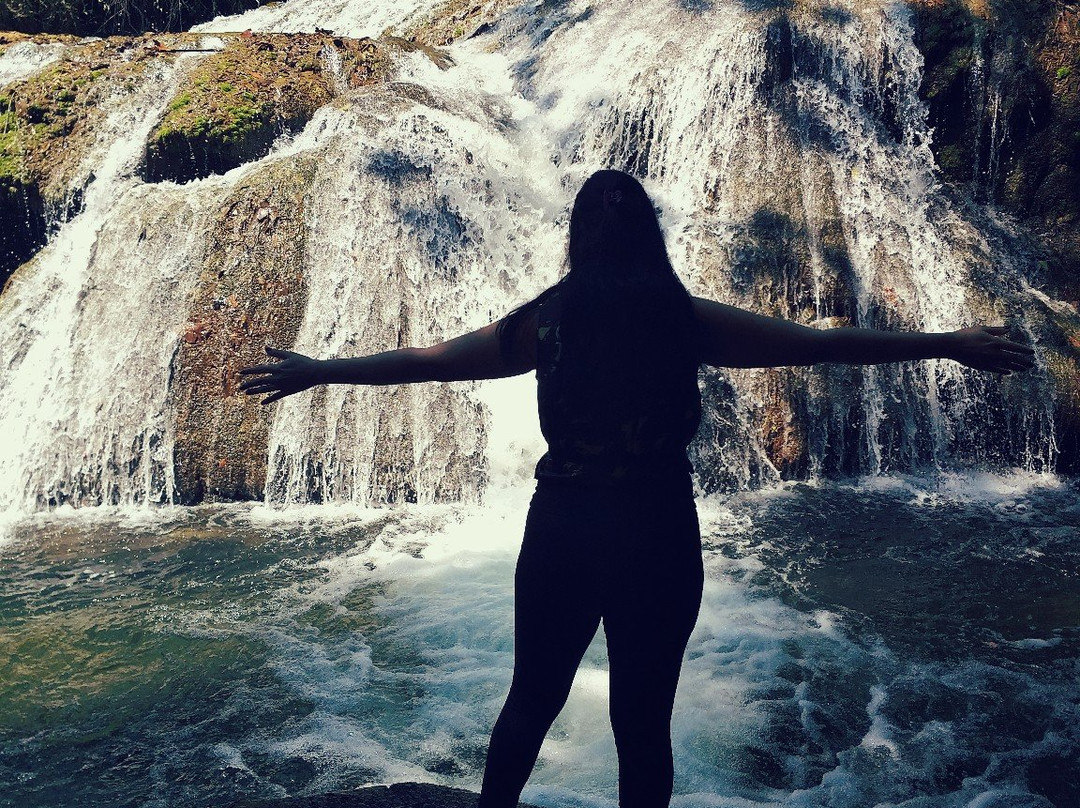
(612, 532)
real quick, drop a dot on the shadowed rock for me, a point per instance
(399, 795)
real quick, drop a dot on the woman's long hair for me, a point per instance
(621, 300)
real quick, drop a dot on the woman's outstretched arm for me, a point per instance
(476, 355)
(737, 338)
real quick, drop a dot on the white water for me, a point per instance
(429, 219)
(353, 18)
(26, 58)
(86, 373)
(846, 719)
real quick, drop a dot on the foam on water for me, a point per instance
(26, 58)
(389, 631)
(353, 18)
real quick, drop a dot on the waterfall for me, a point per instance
(787, 149)
(89, 331)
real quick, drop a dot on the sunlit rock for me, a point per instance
(255, 88)
(48, 126)
(251, 293)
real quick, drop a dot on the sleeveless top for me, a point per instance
(611, 434)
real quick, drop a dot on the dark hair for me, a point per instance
(619, 270)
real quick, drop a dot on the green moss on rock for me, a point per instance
(47, 123)
(238, 101)
(1002, 88)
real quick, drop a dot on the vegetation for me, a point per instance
(46, 123)
(238, 101)
(109, 17)
(1001, 86)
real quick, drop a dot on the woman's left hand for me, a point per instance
(987, 348)
(293, 374)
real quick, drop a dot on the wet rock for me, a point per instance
(399, 795)
(237, 102)
(1002, 84)
(47, 125)
(456, 19)
(251, 293)
(1059, 346)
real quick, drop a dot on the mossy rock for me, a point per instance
(456, 19)
(1002, 84)
(9, 38)
(237, 102)
(47, 123)
(1058, 326)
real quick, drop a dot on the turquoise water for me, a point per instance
(890, 642)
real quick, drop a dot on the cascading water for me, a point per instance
(85, 377)
(894, 640)
(789, 152)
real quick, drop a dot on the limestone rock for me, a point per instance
(251, 293)
(237, 102)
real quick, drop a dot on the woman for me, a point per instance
(612, 532)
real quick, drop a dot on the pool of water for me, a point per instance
(889, 641)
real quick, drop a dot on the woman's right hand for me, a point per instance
(294, 373)
(987, 348)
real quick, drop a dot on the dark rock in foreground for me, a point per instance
(399, 795)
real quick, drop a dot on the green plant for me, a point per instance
(1063, 73)
(180, 102)
(10, 163)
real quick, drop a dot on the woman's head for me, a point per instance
(621, 287)
(614, 231)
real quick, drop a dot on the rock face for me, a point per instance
(456, 19)
(238, 101)
(47, 125)
(251, 293)
(1002, 85)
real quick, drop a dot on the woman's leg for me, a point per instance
(556, 614)
(648, 617)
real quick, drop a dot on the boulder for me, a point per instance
(237, 102)
(251, 293)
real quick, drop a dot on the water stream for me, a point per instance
(898, 629)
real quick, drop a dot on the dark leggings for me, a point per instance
(630, 557)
